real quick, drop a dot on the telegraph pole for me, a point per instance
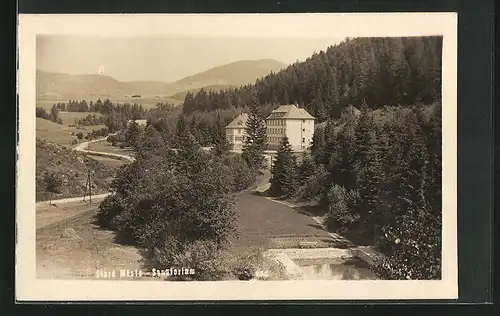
(88, 184)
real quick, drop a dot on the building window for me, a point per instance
(303, 129)
(303, 121)
(303, 139)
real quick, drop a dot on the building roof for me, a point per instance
(239, 122)
(139, 122)
(290, 111)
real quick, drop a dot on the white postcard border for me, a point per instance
(28, 288)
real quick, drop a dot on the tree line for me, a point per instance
(379, 176)
(52, 116)
(176, 201)
(133, 111)
(381, 71)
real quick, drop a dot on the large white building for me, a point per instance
(291, 121)
(236, 131)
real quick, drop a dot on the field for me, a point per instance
(106, 147)
(110, 162)
(266, 223)
(60, 134)
(69, 244)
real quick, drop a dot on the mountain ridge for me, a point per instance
(64, 86)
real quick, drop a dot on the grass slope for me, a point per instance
(60, 134)
(69, 166)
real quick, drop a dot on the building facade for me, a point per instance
(236, 131)
(293, 122)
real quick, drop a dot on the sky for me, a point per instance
(164, 58)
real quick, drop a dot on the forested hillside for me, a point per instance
(381, 71)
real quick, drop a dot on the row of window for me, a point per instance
(239, 138)
(273, 139)
(275, 122)
(274, 130)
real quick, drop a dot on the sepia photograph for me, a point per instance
(211, 157)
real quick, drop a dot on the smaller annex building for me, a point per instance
(236, 131)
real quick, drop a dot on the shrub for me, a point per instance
(111, 139)
(315, 187)
(203, 256)
(79, 135)
(341, 213)
(53, 181)
(244, 265)
(241, 173)
(413, 242)
(109, 208)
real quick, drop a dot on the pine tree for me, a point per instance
(256, 139)
(330, 153)
(54, 114)
(306, 169)
(152, 141)
(370, 170)
(220, 142)
(133, 135)
(346, 155)
(318, 145)
(283, 181)
(181, 130)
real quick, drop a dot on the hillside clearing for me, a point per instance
(61, 134)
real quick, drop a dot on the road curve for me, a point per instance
(83, 148)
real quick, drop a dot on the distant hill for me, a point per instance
(59, 86)
(66, 87)
(234, 74)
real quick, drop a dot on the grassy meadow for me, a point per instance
(60, 134)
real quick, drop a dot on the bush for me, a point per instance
(414, 244)
(109, 208)
(53, 181)
(341, 213)
(315, 187)
(242, 175)
(203, 256)
(111, 139)
(79, 135)
(209, 261)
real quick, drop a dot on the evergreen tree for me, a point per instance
(283, 181)
(133, 134)
(181, 130)
(220, 142)
(54, 114)
(152, 142)
(369, 175)
(306, 169)
(256, 139)
(318, 145)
